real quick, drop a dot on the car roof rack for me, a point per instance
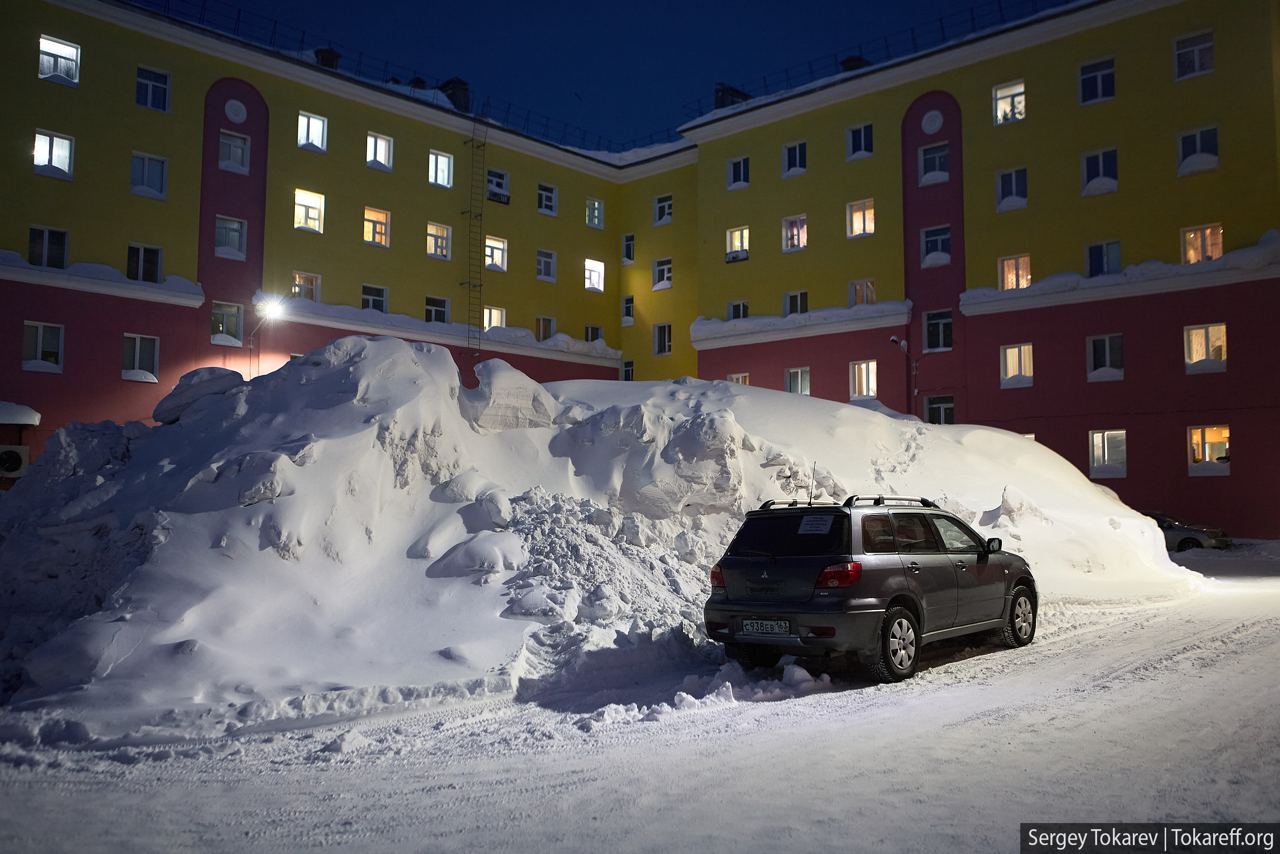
(795, 502)
(881, 500)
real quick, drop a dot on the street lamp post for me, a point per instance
(269, 310)
(912, 366)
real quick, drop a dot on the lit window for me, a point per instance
(628, 248)
(593, 275)
(1205, 348)
(1016, 367)
(860, 142)
(1011, 190)
(226, 329)
(1209, 451)
(152, 89)
(377, 151)
(142, 264)
(373, 297)
(862, 379)
(739, 310)
(548, 201)
(628, 372)
(1101, 172)
(1107, 453)
(794, 158)
(795, 233)
(59, 61)
(140, 358)
(663, 206)
(1198, 151)
(662, 271)
(436, 310)
(147, 176)
(862, 292)
(737, 243)
(739, 379)
(935, 164)
(47, 247)
(377, 227)
(42, 347)
(544, 328)
(628, 311)
(233, 152)
(493, 316)
(1193, 55)
(796, 302)
(439, 240)
(1201, 243)
(305, 286)
(1015, 272)
(860, 218)
(940, 409)
(498, 187)
(53, 155)
(1009, 102)
(229, 237)
(546, 265)
(739, 173)
(1104, 258)
(313, 131)
(1098, 81)
(595, 213)
(935, 246)
(1106, 358)
(308, 211)
(661, 339)
(495, 253)
(440, 169)
(937, 330)
(798, 380)
(592, 333)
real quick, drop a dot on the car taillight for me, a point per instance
(840, 575)
(717, 577)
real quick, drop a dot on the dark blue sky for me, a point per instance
(621, 69)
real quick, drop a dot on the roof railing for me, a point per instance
(795, 502)
(881, 500)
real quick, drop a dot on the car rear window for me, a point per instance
(792, 535)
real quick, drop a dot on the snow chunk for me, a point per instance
(194, 385)
(507, 399)
(350, 741)
(16, 413)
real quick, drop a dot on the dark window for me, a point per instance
(47, 247)
(940, 409)
(914, 535)
(877, 535)
(152, 89)
(1013, 183)
(591, 333)
(1106, 352)
(628, 371)
(1104, 164)
(955, 537)
(793, 535)
(143, 264)
(937, 330)
(1104, 258)
(628, 306)
(1098, 81)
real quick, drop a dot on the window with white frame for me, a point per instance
(1198, 151)
(493, 316)
(1105, 354)
(862, 292)
(859, 142)
(937, 331)
(593, 275)
(53, 154)
(628, 372)
(795, 157)
(377, 227)
(739, 173)
(1098, 81)
(313, 132)
(546, 265)
(373, 297)
(140, 358)
(663, 207)
(147, 175)
(743, 378)
(227, 327)
(1193, 55)
(628, 311)
(1009, 102)
(1103, 258)
(439, 240)
(1011, 190)
(1108, 455)
(152, 89)
(595, 213)
(548, 200)
(940, 409)
(1205, 348)
(935, 246)
(59, 61)
(628, 249)
(862, 379)
(797, 380)
(795, 233)
(795, 302)
(1209, 450)
(662, 274)
(935, 164)
(661, 339)
(860, 218)
(143, 263)
(1014, 272)
(739, 310)
(1101, 172)
(499, 187)
(308, 211)
(233, 152)
(1201, 243)
(495, 253)
(440, 168)
(436, 310)
(305, 286)
(591, 332)
(1016, 367)
(544, 327)
(377, 151)
(42, 347)
(230, 237)
(47, 247)
(737, 243)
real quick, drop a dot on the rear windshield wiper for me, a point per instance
(742, 551)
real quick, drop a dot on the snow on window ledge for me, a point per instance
(40, 366)
(377, 164)
(50, 171)
(1100, 186)
(930, 178)
(1106, 472)
(1106, 375)
(791, 173)
(228, 253)
(1011, 203)
(232, 166)
(147, 193)
(594, 289)
(628, 321)
(61, 80)
(738, 185)
(310, 146)
(662, 286)
(859, 155)
(1016, 381)
(1207, 366)
(136, 376)
(936, 259)
(495, 268)
(666, 220)
(224, 340)
(1208, 468)
(1197, 163)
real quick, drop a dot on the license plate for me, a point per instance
(766, 627)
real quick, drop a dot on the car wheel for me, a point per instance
(750, 655)
(1187, 544)
(1020, 630)
(899, 646)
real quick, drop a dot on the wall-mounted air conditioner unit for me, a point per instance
(13, 460)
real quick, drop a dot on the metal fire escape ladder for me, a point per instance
(474, 214)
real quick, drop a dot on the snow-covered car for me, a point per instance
(867, 581)
(1181, 537)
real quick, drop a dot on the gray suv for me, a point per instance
(870, 580)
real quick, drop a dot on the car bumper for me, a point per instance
(811, 633)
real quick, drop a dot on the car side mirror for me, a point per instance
(995, 544)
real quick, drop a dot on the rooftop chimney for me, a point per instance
(327, 57)
(417, 83)
(727, 95)
(853, 63)
(458, 93)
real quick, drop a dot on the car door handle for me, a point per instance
(913, 566)
(960, 565)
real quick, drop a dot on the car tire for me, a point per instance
(750, 655)
(1020, 629)
(899, 646)
(1186, 544)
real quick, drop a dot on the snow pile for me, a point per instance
(708, 329)
(356, 530)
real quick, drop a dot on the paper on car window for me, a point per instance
(816, 524)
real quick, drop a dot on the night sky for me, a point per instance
(623, 70)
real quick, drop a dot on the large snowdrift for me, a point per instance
(356, 530)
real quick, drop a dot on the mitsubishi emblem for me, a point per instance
(764, 575)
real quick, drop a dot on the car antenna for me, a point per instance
(813, 481)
